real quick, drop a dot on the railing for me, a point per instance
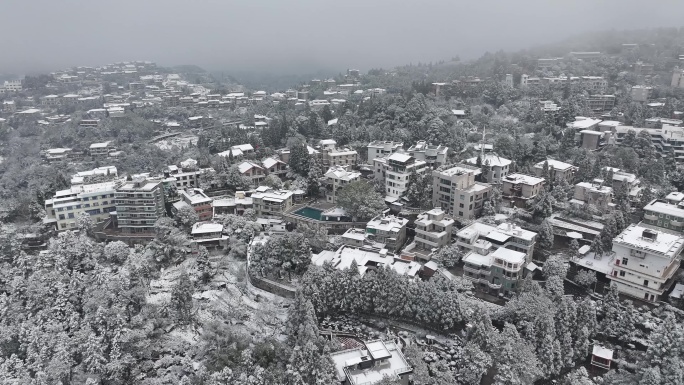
(651, 217)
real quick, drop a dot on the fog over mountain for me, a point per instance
(298, 36)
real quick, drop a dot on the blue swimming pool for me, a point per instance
(310, 212)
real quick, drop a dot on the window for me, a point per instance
(471, 198)
(624, 261)
(460, 213)
(71, 215)
(460, 205)
(462, 197)
(622, 273)
(61, 216)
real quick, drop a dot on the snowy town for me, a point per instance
(515, 219)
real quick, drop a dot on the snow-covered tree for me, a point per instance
(186, 217)
(546, 236)
(181, 299)
(360, 201)
(585, 278)
(556, 266)
(449, 255)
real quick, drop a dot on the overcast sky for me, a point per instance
(298, 36)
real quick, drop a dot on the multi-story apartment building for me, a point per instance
(339, 157)
(456, 191)
(139, 203)
(641, 93)
(96, 200)
(488, 238)
(666, 213)
(388, 229)
(198, 201)
(398, 169)
(434, 156)
(236, 205)
(496, 256)
(645, 261)
(494, 272)
(601, 103)
(520, 188)
(433, 229)
(498, 167)
(382, 148)
(557, 170)
(336, 178)
(99, 174)
(269, 203)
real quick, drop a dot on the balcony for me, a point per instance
(676, 223)
(494, 286)
(651, 217)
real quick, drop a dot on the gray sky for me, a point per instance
(298, 36)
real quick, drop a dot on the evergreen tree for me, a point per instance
(181, 299)
(299, 159)
(546, 236)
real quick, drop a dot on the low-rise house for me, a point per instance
(269, 203)
(366, 259)
(338, 157)
(238, 151)
(498, 167)
(101, 150)
(336, 178)
(557, 170)
(209, 234)
(456, 192)
(187, 175)
(85, 177)
(275, 166)
(434, 156)
(198, 201)
(388, 229)
(593, 194)
(520, 188)
(253, 171)
(645, 262)
(236, 205)
(371, 363)
(433, 229)
(57, 154)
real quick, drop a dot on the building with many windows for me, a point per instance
(389, 230)
(666, 213)
(198, 201)
(139, 203)
(397, 169)
(667, 139)
(433, 229)
(96, 200)
(645, 261)
(557, 170)
(270, 203)
(456, 192)
(496, 256)
(520, 188)
(498, 167)
(382, 148)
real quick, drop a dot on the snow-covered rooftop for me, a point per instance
(653, 241)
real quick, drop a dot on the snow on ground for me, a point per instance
(179, 141)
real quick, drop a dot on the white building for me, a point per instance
(433, 229)
(389, 230)
(336, 178)
(96, 200)
(667, 214)
(371, 363)
(645, 261)
(382, 148)
(82, 177)
(434, 156)
(397, 173)
(366, 259)
(457, 193)
(483, 238)
(498, 167)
